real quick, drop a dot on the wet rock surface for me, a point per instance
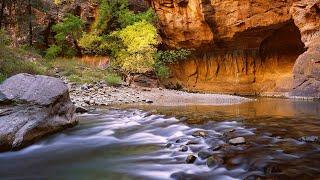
(191, 159)
(310, 139)
(35, 106)
(237, 141)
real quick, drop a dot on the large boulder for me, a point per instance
(32, 107)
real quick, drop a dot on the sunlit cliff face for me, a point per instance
(245, 47)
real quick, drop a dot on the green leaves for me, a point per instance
(4, 38)
(53, 51)
(127, 17)
(171, 56)
(163, 58)
(140, 40)
(139, 36)
(70, 26)
(67, 33)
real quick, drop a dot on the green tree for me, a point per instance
(68, 32)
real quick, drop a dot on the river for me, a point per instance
(146, 142)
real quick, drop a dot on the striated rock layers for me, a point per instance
(241, 46)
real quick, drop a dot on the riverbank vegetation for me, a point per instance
(129, 39)
(17, 60)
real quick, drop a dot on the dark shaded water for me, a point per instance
(130, 144)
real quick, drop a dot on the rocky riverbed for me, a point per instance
(100, 94)
(263, 139)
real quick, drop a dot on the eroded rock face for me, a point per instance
(306, 15)
(32, 107)
(244, 47)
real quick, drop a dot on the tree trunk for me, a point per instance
(3, 4)
(30, 23)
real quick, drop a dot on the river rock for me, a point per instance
(215, 147)
(36, 106)
(204, 154)
(214, 160)
(183, 148)
(191, 159)
(168, 145)
(310, 139)
(237, 141)
(200, 134)
(80, 109)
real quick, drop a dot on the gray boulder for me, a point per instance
(32, 107)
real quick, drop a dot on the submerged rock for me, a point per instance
(215, 147)
(80, 109)
(204, 154)
(183, 148)
(168, 145)
(191, 159)
(192, 142)
(200, 134)
(237, 141)
(36, 106)
(214, 160)
(310, 139)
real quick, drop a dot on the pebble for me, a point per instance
(200, 134)
(204, 154)
(192, 143)
(149, 101)
(214, 160)
(215, 147)
(182, 140)
(81, 109)
(183, 148)
(168, 145)
(191, 159)
(310, 139)
(237, 141)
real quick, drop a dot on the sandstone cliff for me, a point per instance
(241, 46)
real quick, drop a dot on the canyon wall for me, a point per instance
(240, 46)
(306, 71)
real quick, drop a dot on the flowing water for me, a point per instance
(145, 143)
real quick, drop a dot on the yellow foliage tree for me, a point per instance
(140, 40)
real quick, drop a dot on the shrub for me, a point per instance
(162, 71)
(53, 51)
(2, 77)
(4, 39)
(171, 56)
(163, 58)
(113, 79)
